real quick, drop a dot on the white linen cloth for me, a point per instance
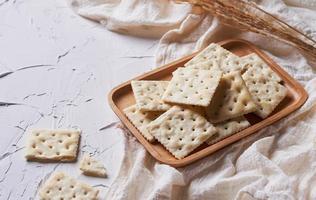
(278, 162)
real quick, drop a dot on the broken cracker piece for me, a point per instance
(92, 167)
(148, 95)
(181, 130)
(53, 145)
(61, 186)
(140, 119)
(228, 128)
(192, 86)
(231, 99)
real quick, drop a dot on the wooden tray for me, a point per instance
(122, 96)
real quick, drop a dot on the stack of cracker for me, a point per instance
(205, 101)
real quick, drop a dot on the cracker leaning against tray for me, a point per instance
(226, 60)
(255, 65)
(231, 99)
(205, 101)
(266, 92)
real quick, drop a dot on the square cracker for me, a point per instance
(256, 66)
(61, 186)
(206, 65)
(181, 130)
(228, 128)
(148, 95)
(140, 119)
(232, 99)
(266, 92)
(53, 145)
(192, 87)
(226, 60)
(92, 167)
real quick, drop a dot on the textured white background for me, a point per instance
(56, 70)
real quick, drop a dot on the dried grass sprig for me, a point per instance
(248, 16)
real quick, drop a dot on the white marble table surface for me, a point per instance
(56, 70)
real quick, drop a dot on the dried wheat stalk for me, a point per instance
(248, 16)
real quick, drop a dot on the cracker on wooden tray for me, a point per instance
(140, 119)
(192, 87)
(181, 130)
(226, 60)
(148, 95)
(53, 145)
(228, 128)
(198, 109)
(232, 99)
(256, 66)
(61, 186)
(92, 167)
(206, 65)
(266, 92)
